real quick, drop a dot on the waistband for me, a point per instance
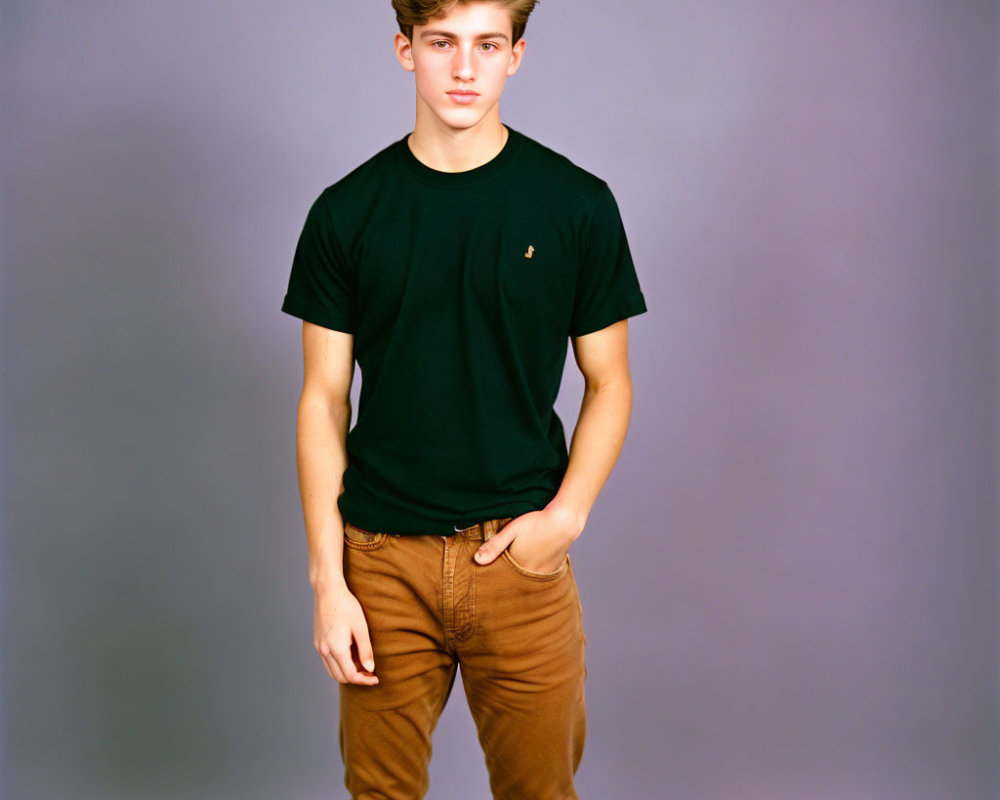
(482, 530)
(479, 531)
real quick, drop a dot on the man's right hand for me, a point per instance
(341, 637)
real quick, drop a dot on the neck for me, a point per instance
(448, 149)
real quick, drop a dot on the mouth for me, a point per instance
(463, 95)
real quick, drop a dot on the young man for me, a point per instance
(454, 265)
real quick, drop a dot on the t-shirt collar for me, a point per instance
(469, 177)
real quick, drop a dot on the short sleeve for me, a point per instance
(607, 288)
(321, 287)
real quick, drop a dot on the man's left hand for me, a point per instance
(545, 538)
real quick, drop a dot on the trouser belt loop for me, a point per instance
(487, 528)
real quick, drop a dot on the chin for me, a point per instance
(461, 120)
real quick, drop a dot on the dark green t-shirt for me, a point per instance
(461, 290)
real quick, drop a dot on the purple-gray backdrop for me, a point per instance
(789, 580)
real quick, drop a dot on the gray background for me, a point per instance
(789, 581)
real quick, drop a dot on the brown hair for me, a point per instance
(419, 12)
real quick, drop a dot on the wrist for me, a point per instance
(326, 580)
(572, 517)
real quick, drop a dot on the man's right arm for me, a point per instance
(324, 417)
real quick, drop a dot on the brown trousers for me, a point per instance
(518, 638)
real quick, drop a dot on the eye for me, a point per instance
(490, 45)
(439, 41)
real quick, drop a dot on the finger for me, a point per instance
(366, 655)
(341, 655)
(488, 551)
(332, 669)
(329, 662)
(325, 666)
(348, 663)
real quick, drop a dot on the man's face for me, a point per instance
(461, 61)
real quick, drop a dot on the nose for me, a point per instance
(462, 66)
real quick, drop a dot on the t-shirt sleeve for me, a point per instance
(607, 288)
(321, 287)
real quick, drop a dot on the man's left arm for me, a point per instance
(546, 535)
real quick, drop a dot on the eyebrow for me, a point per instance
(450, 35)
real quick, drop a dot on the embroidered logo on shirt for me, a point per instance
(531, 249)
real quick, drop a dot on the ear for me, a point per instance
(404, 55)
(517, 51)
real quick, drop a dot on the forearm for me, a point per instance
(594, 449)
(322, 459)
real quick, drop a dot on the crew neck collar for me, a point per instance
(468, 177)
